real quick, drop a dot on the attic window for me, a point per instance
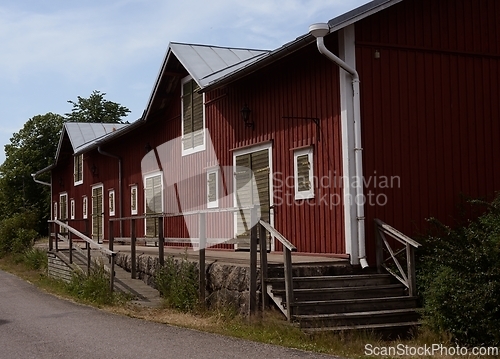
(78, 169)
(193, 117)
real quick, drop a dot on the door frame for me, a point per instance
(101, 237)
(244, 151)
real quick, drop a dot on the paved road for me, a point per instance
(34, 324)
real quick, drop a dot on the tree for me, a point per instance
(30, 150)
(96, 109)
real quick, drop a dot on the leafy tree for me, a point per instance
(31, 149)
(96, 109)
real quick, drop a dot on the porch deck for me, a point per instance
(240, 258)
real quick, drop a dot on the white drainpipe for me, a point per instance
(319, 31)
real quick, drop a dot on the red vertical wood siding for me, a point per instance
(430, 108)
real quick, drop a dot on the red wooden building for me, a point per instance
(397, 119)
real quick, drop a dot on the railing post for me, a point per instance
(253, 261)
(111, 232)
(410, 265)
(287, 263)
(51, 242)
(161, 241)
(263, 266)
(70, 239)
(379, 251)
(202, 245)
(112, 273)
(56, 239)
(89, 260)
(133, 259)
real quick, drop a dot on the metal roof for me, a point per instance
(208, 63)
(85, 134)
(335, 24)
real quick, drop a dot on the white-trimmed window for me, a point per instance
(63, 206)
(72, 209)
(133, 200)
(78, 169)
(85, 205)
(213, 188)
(111, 201)
(193, 117)
(153, 198)
(55, 213)
(303, 173)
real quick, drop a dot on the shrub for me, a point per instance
(93, 288)
(459, 278)
(177, 283)
(35, 258)
(17, 233)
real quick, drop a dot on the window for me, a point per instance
(85, 206)
(154, 202)
(63, 207)
(55, 210)
(111, 196)
(133, 200)
(303, 171)
(78, 169)
(63, 210)
(193, 117)
(213, 188)
(72, 210)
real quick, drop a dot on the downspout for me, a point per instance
(120, 206)
(40, 182)
(319, 31)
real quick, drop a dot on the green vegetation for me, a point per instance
(177, 281)
(96, 109)
(459, 279)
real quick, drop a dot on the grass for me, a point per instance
(272, 328)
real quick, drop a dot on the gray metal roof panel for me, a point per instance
(206, 63)
(82, 134)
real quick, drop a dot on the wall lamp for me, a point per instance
(147, 147)
(93, 169)
(245, 114)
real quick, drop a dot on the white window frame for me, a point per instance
(79, 182)
(85, 207)
(56, 213)
(61, 195)
(133, 189)
(296, 154)
(72, 208)
(199, 148)
(153, 174)
(215, 203)
(111, 202)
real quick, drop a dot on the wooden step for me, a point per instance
(357, 318)
(315, 294)
(388, 330)
(354, 305)
(333, 281)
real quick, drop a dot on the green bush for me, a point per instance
(17, 233)
(177, 282)
(459, 279)
(93, 288)
(35, 258)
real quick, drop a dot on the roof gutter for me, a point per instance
(319, 31)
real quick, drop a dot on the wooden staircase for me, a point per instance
(340, 302)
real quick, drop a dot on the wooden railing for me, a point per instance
(261, 226)
(89, 243)
(383, 247)
(288, 248)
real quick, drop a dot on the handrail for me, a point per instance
(84, 237)
(408, 279)
(397, 235)
(278, 236)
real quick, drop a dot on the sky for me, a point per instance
(52, 51)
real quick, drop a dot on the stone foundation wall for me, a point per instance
(227, 285)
